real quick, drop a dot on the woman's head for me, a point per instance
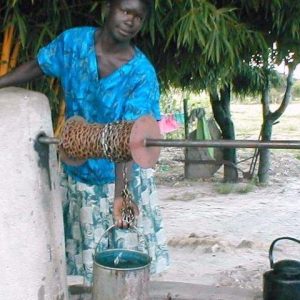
(148, 4)
(126, 17)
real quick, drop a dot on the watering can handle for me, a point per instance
(273, 244)
(134, 228)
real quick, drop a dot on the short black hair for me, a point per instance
(147, 3)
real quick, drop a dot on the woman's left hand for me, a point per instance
(117, 213)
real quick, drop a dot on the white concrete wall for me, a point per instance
(32, 259)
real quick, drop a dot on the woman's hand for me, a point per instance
(117, 213)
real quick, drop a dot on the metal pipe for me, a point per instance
(47, 140)
(278, 144)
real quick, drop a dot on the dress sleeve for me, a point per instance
(51, 57)
(143, 99)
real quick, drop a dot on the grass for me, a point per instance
(224, 188)
(230, 188)
(247, 119)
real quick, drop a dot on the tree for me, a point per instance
(207, 43)
(198, 38)
(212, 43)
(278, 21)
(194, 44)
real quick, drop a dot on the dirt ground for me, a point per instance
(223, 239)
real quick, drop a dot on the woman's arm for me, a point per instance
(22, 74)
(143, 100)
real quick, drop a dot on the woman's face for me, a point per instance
(125, 19)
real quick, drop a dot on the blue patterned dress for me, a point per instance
(127, 94)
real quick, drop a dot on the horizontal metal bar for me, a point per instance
(47, 140)
(275, 144)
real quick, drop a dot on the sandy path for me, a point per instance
(223, 240)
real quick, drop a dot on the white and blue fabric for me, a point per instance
(127, 94)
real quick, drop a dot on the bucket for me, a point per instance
(121, 274)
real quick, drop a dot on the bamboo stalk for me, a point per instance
(6, 49)
(60, 119)
(54, 84)
(15, 54)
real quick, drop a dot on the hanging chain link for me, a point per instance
(127, 210)
(115, 141)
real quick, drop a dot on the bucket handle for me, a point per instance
(134, 228)
(273, 244)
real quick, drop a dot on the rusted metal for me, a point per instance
(275, 144)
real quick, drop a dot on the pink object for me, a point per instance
(144, 128)
(168, 124)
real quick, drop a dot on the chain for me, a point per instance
(80, 140)
(127, 210)
(104, 142)
(115, 141)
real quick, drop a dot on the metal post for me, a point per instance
(186, 118)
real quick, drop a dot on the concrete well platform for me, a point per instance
(164, 290)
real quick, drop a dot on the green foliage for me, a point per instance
(39, 21)
(245, 188)
(178, 134)
(199, 38)
(224, 188)
(296, 90)
(228, 188)
(194, 44)
(250, 80)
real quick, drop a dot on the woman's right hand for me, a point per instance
(117, 212)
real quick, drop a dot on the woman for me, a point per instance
(105, 79)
